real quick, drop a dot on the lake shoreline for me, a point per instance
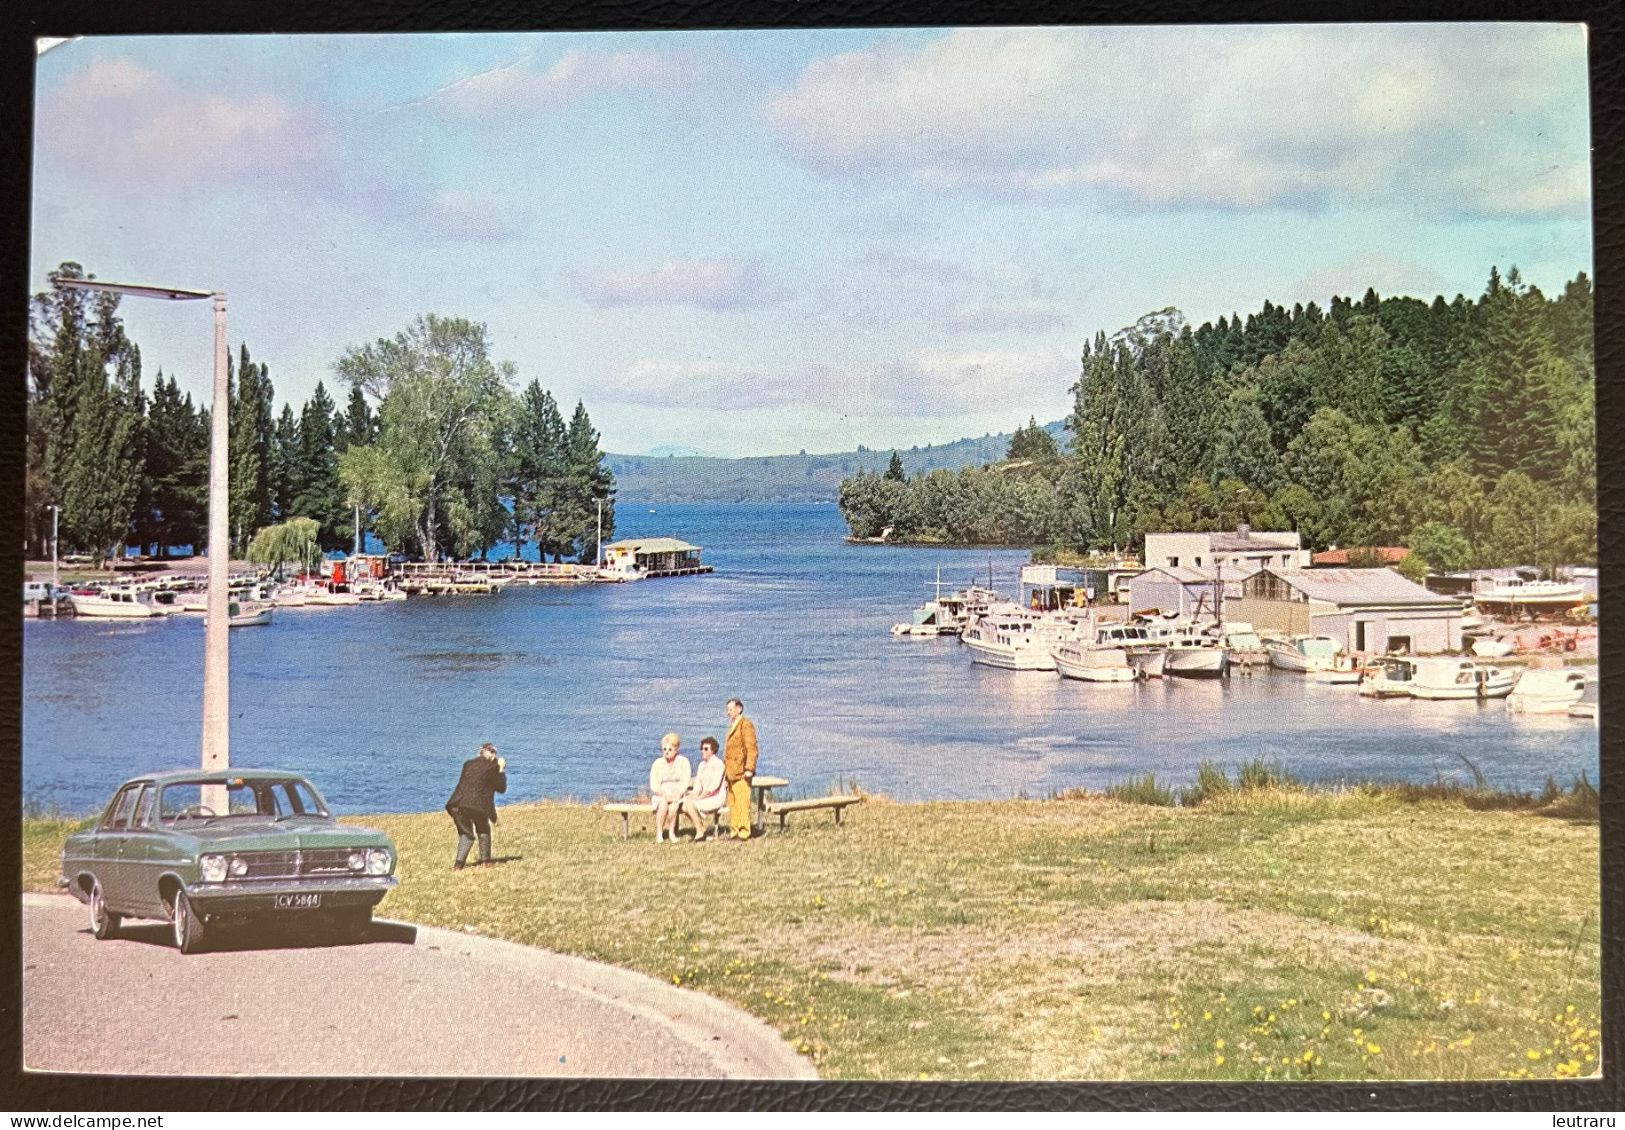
(1271, 933)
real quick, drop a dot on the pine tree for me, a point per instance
(538, 480)
(252, 429)
(321, 495)
(287, 473)
(88, 411)
(588, 482)
(894, 469)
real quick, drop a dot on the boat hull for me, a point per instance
(95, 610)
(1197, 662)
(1078, 668)
(1010, 659)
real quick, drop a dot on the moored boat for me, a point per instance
(1447, 678)
(1303, 653)
(1009, 637)
(1547, 692)
(247, 614)
(1093, 664)
(1197, 657)
(114, 604)
(1389, 676)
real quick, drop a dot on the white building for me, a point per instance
(1243, 551)
(1368, 611)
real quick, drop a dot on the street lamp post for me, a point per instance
(216, 751)
(56, 576)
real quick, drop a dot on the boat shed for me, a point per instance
(654, 557)
(1368, 611)
(1182, 589)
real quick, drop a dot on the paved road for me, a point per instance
(409, 1000)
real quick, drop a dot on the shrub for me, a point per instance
(1211, 782)
(1141, 790)
(1261, 774)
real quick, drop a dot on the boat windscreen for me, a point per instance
(1318, 647)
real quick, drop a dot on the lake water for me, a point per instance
(380, 703)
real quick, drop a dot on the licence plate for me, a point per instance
(290, 902)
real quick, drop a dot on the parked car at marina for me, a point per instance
(199, 849)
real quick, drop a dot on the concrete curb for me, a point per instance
(742, 1046)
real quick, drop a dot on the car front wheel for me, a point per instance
(188, 926)
(103, 922)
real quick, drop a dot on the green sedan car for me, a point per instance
(196, 849)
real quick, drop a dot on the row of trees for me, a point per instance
(1463, 429)
(450, 461)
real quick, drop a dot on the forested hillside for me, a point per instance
(1463, 429)
(788, 478)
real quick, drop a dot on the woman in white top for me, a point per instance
(708, 793)
(669, 778)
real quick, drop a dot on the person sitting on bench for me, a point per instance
(669, 779)
(708, 794)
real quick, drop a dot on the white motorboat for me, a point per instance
(1010, 637)
(1445, 678)
(1389, 677)
(1547, 692)
(247, 614)
(1304, 653)
(1145, 655)
(1246, 647)
(1093, 664)
(930, 621)
(1197, 657)
(115, 604)
(1488, 648)
(1518, 597)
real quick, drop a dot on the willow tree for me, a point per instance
(293, 540)
(443, 413)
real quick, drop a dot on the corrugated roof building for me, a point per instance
(1369, 611)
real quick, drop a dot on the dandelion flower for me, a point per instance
(1218, 1061)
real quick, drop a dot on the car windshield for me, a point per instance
(269, 798)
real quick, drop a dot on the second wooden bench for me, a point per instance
(837, 804)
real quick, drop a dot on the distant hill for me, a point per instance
(790, 478)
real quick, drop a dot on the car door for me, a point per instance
(107, 865)
(144, 855)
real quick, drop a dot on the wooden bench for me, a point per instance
(783, 808)
(647, 808)
(761, 787)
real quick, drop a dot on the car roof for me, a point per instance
(216, 776)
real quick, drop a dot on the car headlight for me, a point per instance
(213, 868)
(378, 861)
(357, 861)
(238, 866)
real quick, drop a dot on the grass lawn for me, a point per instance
(1261, 935)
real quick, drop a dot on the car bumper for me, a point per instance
(273, 896)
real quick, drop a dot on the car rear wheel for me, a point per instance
(188, 926)
(103, 922)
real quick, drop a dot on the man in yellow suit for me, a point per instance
(738, 767)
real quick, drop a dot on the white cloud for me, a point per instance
(1481, 118)
(670, 384)
(574, 74)
(119, 120)
(1031, 316)
(709, 284)
(940, 382)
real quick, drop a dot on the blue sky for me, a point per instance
(761, 242)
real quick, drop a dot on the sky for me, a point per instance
(747, 243)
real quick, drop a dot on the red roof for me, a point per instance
(1391, 555)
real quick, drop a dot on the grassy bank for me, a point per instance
(1271, 933)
